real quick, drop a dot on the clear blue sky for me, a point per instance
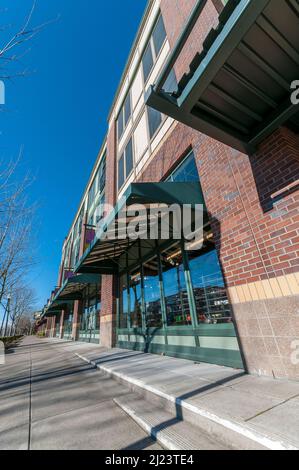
(59, 113)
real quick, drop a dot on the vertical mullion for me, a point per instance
(128, 292)
(117, 306)
(162, 294)
(143, 309)
(189, 286)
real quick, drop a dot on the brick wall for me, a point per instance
(175, 15)
(108, 310)
(254, 212)
(257, 248)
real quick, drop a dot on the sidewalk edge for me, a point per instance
(262, 439)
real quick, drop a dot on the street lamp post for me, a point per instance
(7, 314)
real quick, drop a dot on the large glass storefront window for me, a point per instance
(135, 300)
(90, 318)
(175, 290)
(123, 303)
(204, 297)
(68, 326)
(152, 294)
(212, 305)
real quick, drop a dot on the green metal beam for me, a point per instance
(233, 74)
(163, 103)
(282, 114)
(242, 18)
(260, 62)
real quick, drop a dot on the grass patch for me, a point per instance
(10, 341)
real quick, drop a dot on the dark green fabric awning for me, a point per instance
(104, 253)
(238, 87)
(71, 290)
(73, 287)
(54, 308)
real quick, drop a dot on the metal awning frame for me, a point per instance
(137, 193)
(237, 25)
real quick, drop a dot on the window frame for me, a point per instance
(151, 44)
(99, 191)
(122, 113)
(124, 156)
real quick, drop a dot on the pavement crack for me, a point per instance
(30, 403)
(271, 408)
(71, 410)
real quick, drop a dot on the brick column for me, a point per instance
(53, 325)
(76, 319)
(61, 324)
(48, 327)
(108, 313)
(108, 310)
(175, 16)
(78, 304)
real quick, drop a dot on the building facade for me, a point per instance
(202, 113)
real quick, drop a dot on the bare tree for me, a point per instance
(14, 48)
(24, 326)
(16, 215)
(16, 220)
(21, 308)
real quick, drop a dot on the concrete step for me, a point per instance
(230, 433)
(170, 432)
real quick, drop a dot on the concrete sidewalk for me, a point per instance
(51, 399)
(260, 410)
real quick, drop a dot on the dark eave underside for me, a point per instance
(238, 88)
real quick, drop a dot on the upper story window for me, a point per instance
(154, 120)
(96, 195)
(78, 226)
(124, 115)
(67, 255)
(125, 164)
(92, 193)
(98, 184)
(153, 48)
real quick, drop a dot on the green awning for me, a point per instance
(103, 255)
(73, 287)
(71, 290)
(238, 88)
(54, 308)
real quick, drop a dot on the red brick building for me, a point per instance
(205, 99)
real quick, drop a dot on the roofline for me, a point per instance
(131, 54)
(123, 76)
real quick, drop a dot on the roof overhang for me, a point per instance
(54, 308)
(71, 290)
(73, 287)
(105, 251)
(238, 89)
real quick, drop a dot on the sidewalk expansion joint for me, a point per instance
(271, 408)
(30, 404)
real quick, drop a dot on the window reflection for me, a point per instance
(152, 294)
(187, 171)
(123, 303)
(212, 305)
(175, 290)
(90, 318)
(135, 300)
